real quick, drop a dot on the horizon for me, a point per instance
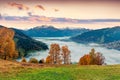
(92, 14)
(58, 27)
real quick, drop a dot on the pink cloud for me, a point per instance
(33, 19)
(19, 6)
(0, 16)
(40, 7)
(40, 18)
(56, 10)
(46, 19)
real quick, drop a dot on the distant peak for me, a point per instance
(116, 27)
(1, 26)
(44, 26)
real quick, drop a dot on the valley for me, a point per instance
(77, 50)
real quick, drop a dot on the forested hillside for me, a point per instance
(104, 35)
(25, 44)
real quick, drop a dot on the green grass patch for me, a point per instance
(73, 72)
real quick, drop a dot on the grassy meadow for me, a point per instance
(26, 71)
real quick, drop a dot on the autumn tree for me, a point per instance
(7, 44)
(58, 55)
(85, 60)
(66, 55)
(92, 58)
(48, 59)
(99, 59)
(55, 53)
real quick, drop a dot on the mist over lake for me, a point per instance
(112, 56)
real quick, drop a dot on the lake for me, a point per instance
(112, 56)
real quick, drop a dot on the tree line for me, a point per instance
(62, 55)
(56, 55)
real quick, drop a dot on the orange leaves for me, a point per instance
(58, 55)
(55, 53)
(85, 60)
(7, 45)
(66, 55)
(48, 59)
(92, 58)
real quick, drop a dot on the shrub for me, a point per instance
(23, 60)
(42, 61)
(33, 60)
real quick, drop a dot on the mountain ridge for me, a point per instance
(51, 31)
(104, 35)
(108, 37)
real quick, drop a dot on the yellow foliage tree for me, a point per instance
(55, 53)
(7, 45)
(48, 59)
(66, 55)
(58, 55)
(92, 56)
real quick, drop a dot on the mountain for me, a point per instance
(101, 36)
(50, 31)
(25, 44)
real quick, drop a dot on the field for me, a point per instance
(26, 71)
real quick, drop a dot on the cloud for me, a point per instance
(40, 7)
(0, 16)
(46, 19)
(18, 6)
(29, 13)
(33, 19)
(37, 18)
(56, 10)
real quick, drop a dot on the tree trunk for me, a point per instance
(5, 57)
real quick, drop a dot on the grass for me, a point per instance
(64, 72)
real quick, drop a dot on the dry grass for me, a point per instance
(7, 66)
(10, 70)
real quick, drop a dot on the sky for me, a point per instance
(92, 14)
